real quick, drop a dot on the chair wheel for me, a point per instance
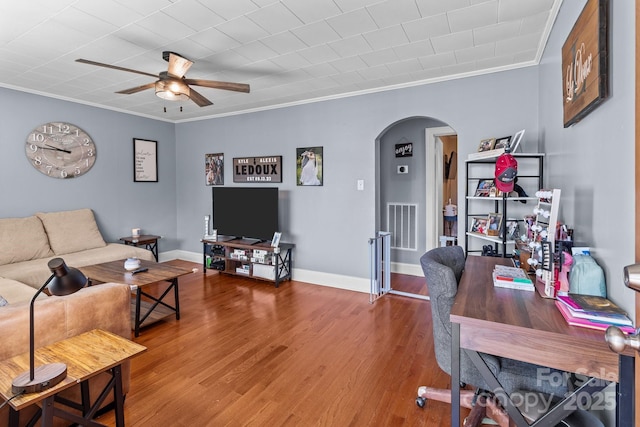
(420, 401)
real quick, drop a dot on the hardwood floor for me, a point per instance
(245, 353)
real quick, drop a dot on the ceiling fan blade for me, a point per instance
(199, 99)
(238, 87)
(137, 89)
(115, 67)
(178, 66)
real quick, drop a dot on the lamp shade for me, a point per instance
(66, 280)
(172, 90)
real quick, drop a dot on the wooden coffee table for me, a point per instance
(155, 309)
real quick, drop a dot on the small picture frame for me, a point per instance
(503, 142)
(309, 166)
(512, 228)
(145, 160)
(495, 224)
(513, 146)
(479, 224)
(487, 188)
(486, 144)
(275, 242)
(214, 169)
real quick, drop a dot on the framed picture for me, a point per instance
(585, 63)
(257, 170)
(145, 160)
(495, 224)
(512, 228)
(502, 142)
(275, 241)
(214, 169)
(487, 188)
(516, 141)
(309, 166)
(479, 224)
(486, 144)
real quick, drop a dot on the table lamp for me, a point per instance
(63, 281)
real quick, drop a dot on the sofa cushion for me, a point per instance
(22, 239)
(71, 231)
(35, 272)
(15, 292)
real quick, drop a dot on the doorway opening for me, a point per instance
(416, 177)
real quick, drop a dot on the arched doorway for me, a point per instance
(412, 186)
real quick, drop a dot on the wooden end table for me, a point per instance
(80, 354)
(157, 309)
(149, 241)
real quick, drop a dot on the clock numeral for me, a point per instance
(90, 153)
(63, 173)
(49, 167)
(47, 129)
(37, 160)
(37, 137)
(77, 171)
(64, 128)
(33, 147)
(86, 141)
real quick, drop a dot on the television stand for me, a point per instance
(252, 258)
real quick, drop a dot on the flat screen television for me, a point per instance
(249, 212)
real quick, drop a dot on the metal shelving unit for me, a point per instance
(530, 177)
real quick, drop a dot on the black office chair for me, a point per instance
(443, 269)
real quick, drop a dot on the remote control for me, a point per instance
(140, 270)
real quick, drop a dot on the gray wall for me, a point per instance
(108, 188)
(593, 161)
(331, 224)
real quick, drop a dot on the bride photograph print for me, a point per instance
(309, 166)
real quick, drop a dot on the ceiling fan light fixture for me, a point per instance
(172, 90)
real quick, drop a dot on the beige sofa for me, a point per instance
(27, 245)
(105, 307)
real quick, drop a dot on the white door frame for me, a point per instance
(434, 183)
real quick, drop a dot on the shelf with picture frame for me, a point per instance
(491, 148)
(481, 202)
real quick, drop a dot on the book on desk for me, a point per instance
(594, 308)
(512, 278)
(599, 315)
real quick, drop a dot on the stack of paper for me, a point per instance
(511, 277)
(593, 312)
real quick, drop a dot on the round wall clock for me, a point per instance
(60, 150)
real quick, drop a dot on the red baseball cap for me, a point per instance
(506, 172)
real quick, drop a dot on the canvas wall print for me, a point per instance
(214, 169)
(309, 166)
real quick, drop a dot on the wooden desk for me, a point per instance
(85, 355)
(522, 325)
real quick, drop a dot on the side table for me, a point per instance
(85, 355)
(149, 241)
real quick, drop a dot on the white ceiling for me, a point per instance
(289, 51)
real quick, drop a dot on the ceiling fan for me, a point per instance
(172, 84)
